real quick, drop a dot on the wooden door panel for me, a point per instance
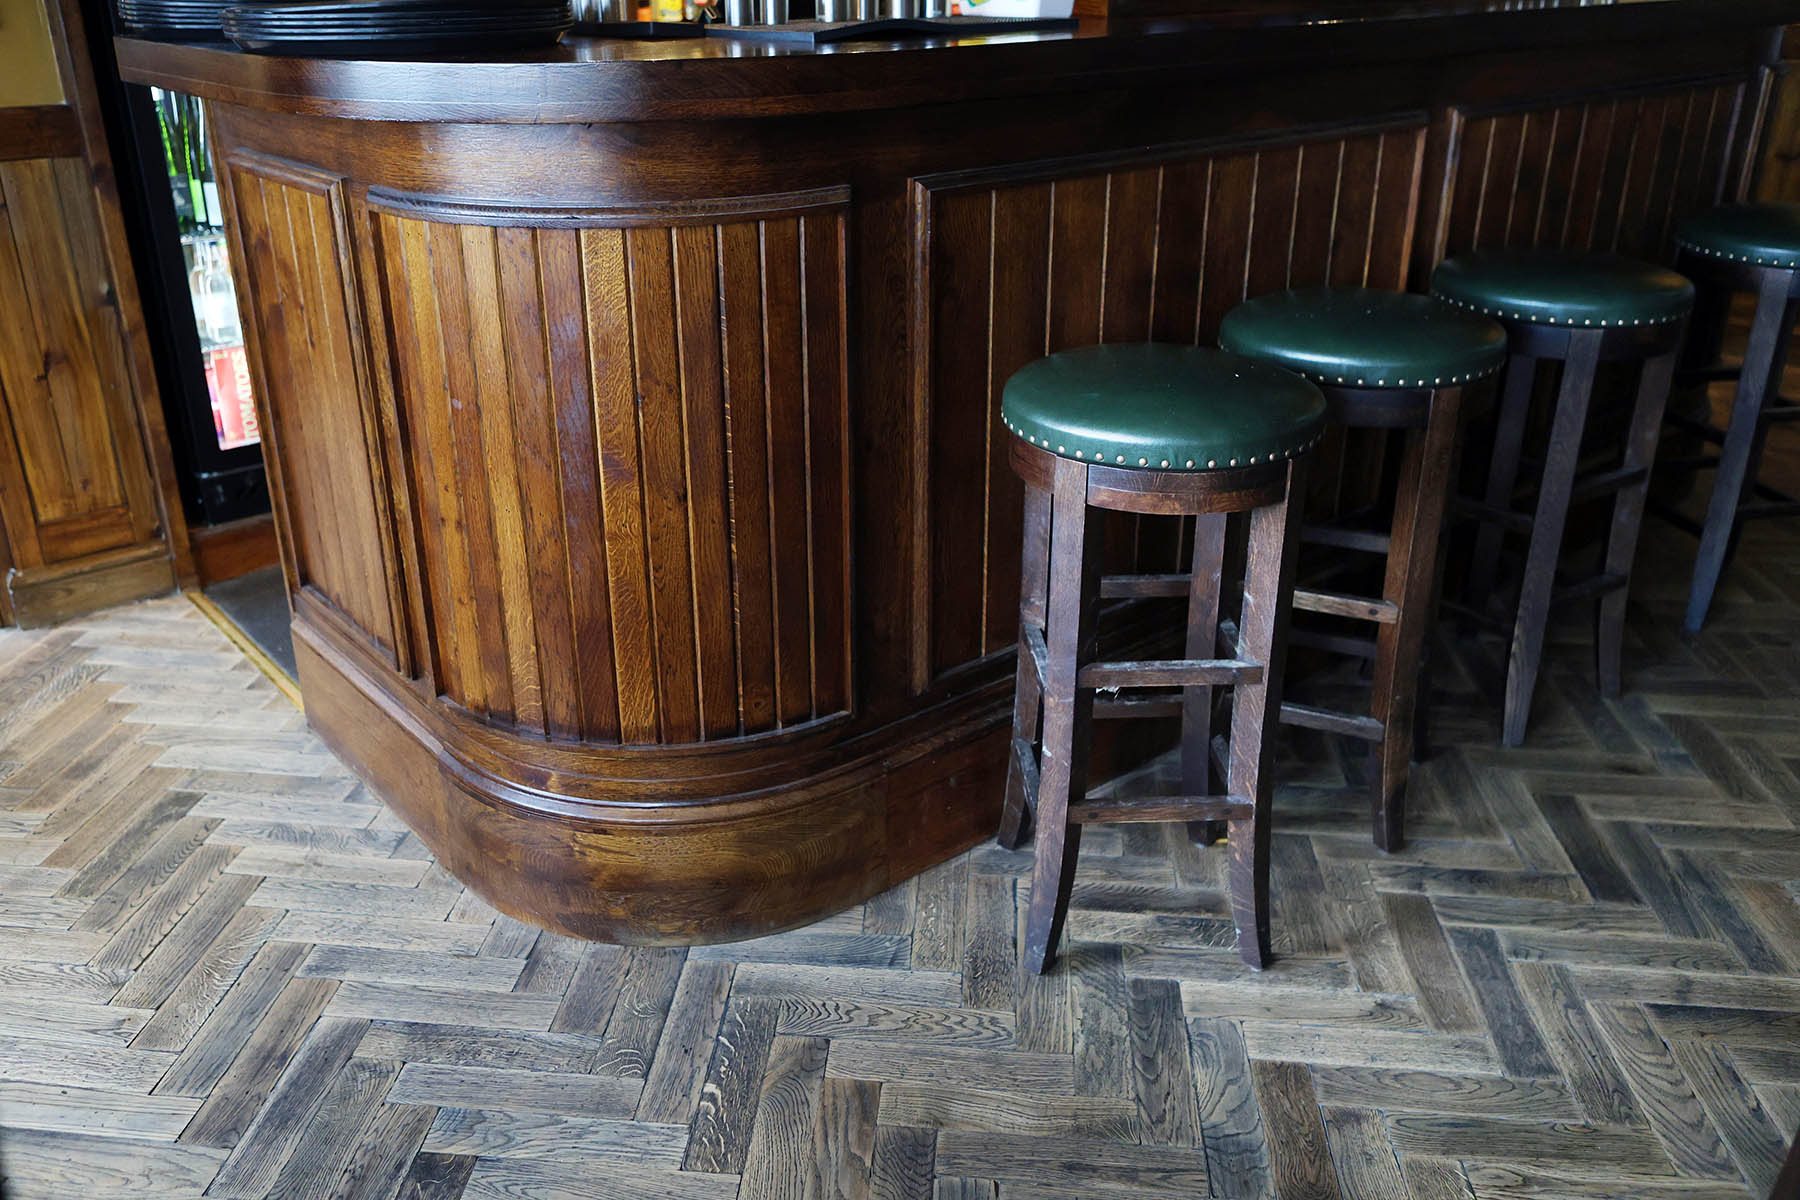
(50, 361)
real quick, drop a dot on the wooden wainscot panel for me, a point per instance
(47, 595)
(74, 481)
(626, 456)
(1019, 262)
(310, 370)
(1615, 170)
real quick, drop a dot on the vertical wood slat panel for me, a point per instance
(662, 433)
(1020, 285)
(302, 423)
(487, 676)
(703, 407)
(1614, 172)
(348, 441)
(294, 237)
(1353, 224)
(962, 260)
(418, 335)
(536, 455)
(747, 451)
(828, 465)
(664, 407)
(1399, 175)
(609, 318)
(493, 408)
(784, 366)
(595, 708)
(1020, 267)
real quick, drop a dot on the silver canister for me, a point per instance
(834, 10)
(756, 12)
(603, 12)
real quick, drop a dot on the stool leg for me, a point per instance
(1196, 702)
(1034, 582)
(1761, 374)
(1411, 585)
(1628, 516)
(1068, 711)
(1256, 712)
(1547, 531)
(1503, 473)
(1430, 650)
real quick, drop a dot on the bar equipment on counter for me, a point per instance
(395, 28)
(755, 12)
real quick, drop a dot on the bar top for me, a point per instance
(598, 79)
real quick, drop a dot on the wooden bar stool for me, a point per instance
(1384, 360)
(1741, 248)
(1161, 429)
(1581, 309)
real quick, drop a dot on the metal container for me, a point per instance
(834, 10)
(603, 12)
(756, 12)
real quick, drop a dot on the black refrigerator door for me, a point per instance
(172, 218)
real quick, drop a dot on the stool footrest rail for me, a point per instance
(1161, 808)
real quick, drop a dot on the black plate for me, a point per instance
(151, 13)
(398, 47)
(173, 33)
(469, 20)
(402, 7)
(234, 26)
(482, 20)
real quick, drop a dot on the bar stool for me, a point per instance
(1162, 429)
(1741, 248)
(1384, 360)
(1581, 309)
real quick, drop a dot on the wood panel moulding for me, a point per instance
(1020, 262)
(310, 371)
(626, 436)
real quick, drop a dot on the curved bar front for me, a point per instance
(632, 413)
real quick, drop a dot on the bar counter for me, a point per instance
(630, 407)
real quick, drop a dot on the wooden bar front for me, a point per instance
(631, 409)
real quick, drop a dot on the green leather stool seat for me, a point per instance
(1563, 287)
(1162, 407)
(1357, 337)
(1763, 235)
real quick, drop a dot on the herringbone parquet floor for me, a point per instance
(226, 970)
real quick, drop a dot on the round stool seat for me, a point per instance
(1358, 337)
(1162, 407)
(1561, 287)
(1764, 235)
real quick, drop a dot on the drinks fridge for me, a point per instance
(170, 198)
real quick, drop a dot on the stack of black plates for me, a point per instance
(395, 28)
(173, 20)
